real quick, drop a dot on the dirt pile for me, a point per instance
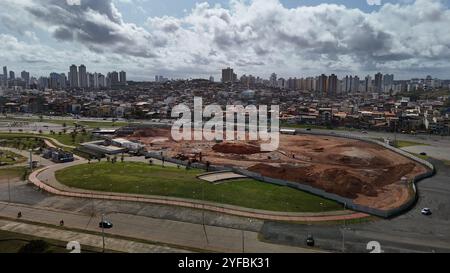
(237, 148)
(154, 132)
(337, 181)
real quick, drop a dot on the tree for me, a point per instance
(35, 246)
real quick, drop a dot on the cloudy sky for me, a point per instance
(194, 38)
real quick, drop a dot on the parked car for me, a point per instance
(426, 211)
(423, 153)
(310, 241)
(105, 224)
(308, 129)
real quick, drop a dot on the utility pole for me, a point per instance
(395, 134)
(103, 231)
(9, 191)
(343, 231)
(243, 241)
(203, 215)
(31, 160)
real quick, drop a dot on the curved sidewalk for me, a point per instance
(55, 187)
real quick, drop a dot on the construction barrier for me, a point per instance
(346, 202)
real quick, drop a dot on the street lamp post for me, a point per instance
(9, 191)
(343, 231)
(243, 241)
(31, 159)
(103, 231)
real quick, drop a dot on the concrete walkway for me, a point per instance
(217, 177)
(41, 161)
(174, 234)
(85, 239)
(45, 179)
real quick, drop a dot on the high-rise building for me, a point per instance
(54, 81)
(62, 81)
(332, 85)
(228, 75)
(355, 84)
(5, 77)
(123, 77)
(348, 82)
(322, 84)
(273, 80)
(114, 78)
(82, 75)
(91, 80)
(378, 83)
(12, 75)
(26, 78)
(368, 84)
(101, 81)
(73, 77)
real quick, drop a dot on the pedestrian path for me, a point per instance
(85, 239)
(45, 179)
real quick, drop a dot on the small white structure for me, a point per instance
(288, 131)
(121, 142)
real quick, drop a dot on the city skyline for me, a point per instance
(256, 37)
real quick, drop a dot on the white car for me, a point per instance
(426, 211)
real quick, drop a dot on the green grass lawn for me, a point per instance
(67, 138)
(30, 141)
(71, 122)
(13, 172)
(10, 158)
(140, 178)
(424, 157)
(20, 141)
(404, 143)
(11, 242)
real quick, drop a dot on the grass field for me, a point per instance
(10, 158)
(11, 242)
(67, 139)
(27, 141)
(71, 122)
(20, 141)
(404, 143)
(13, 172)
(140, 178)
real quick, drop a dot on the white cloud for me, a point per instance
(259, 37)
(374, 2)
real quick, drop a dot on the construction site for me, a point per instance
(367, 173)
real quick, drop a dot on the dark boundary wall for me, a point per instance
(346, 202)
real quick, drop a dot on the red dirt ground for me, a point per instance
(367, 173)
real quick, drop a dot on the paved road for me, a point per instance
(407, 233)
(41, 161)
(193, 236)
(86, 239)
(439, 147)
(410, 232)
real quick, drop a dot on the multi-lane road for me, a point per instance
(409, 232)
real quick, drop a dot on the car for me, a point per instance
(308, 129)
(364, 132)
(105, 224)
(423, 153)
(310, 241)
(426, 211)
